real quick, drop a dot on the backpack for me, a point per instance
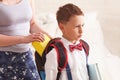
(61, 54)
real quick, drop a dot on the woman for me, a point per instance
(18, 29)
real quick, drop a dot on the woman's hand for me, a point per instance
(33, 37)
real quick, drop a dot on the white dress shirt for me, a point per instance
(76, 61)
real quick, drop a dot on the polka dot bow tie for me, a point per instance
(78, 46)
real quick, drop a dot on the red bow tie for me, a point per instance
(78, 46)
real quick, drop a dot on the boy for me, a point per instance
(70, 21)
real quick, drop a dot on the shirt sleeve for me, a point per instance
(51, 65)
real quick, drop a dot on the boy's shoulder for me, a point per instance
(85, 46)
(83, 41)
(59, 40)
(58, 44)
(54, 43)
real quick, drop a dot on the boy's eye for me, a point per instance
(83, 25)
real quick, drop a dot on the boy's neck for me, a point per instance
(72, 41)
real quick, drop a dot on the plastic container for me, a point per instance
(40, 46)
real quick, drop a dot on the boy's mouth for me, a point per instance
(80, 35)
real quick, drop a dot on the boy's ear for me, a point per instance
(61, 26)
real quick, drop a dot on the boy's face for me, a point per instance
(72, 30)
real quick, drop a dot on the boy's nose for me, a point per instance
(80, 30)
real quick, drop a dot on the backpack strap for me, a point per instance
(85, 46)
(61, 56)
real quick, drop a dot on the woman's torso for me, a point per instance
(15, 21)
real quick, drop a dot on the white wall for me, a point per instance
(108, 15)
(110, 22)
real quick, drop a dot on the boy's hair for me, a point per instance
(65, 12)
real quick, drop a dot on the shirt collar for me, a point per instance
(67, 42)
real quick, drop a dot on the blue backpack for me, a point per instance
(57, 44)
